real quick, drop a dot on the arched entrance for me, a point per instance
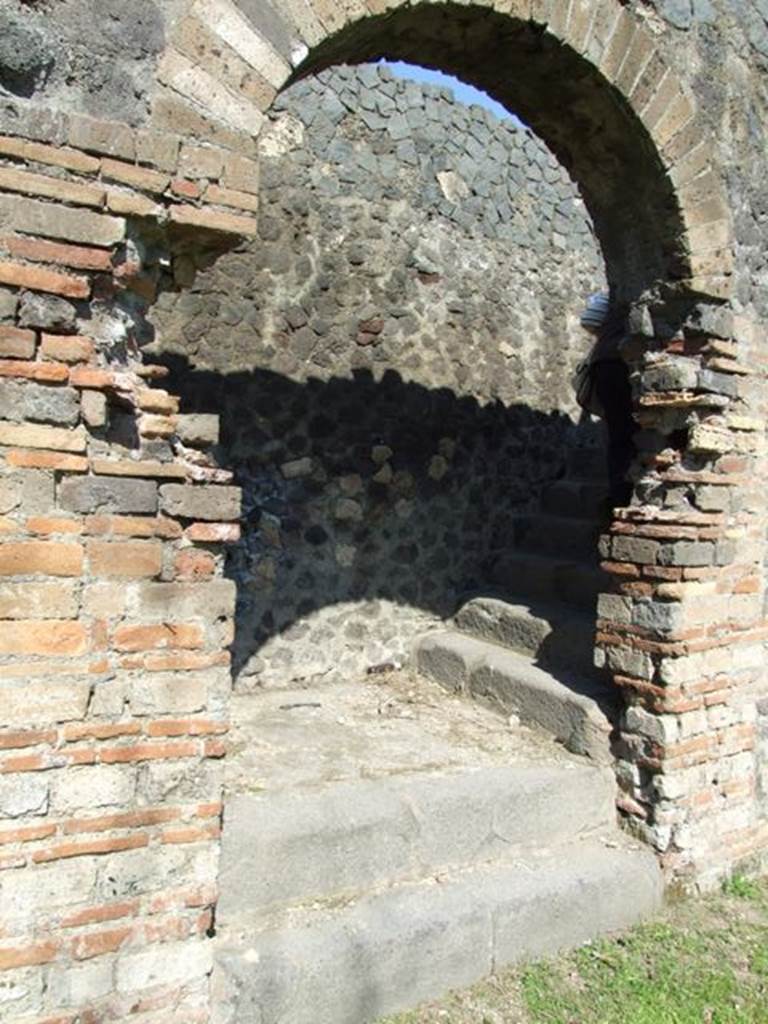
(605, 138)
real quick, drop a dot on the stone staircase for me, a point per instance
(525, 647)
(385, 841)
(389, 839)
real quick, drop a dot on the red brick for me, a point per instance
(230, 197)
(90, 377)
(39, 153)
(52, 373)
(40, 251)
(48, 525)
(167, 929)
(39, 459)
(146, 468)
(185, 189)
(20, 738)
(126, 819)
(28, 956)
(194, 565)
(181, 661)
(212, 810)
(50, 558)
(213, 533)
(81, 755)
(92, 847)
(191, 897)
(125, 559)
(100, 730)
(148, 752)
(27, 835)
(191, 834)
(16, 343)
(133, 526)
(44, 636)
(20, 275)
(27, 763)
(51, 188)
(98, 943)
(104, 912)
(214, 748)
(132, 204)
(131, 174)
(67, 349)
(147, 638)
(213, 220)
(186, 727)
(152, 425)
(157, 400)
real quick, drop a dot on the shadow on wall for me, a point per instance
(371, 505)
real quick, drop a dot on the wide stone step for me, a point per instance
(577, 499)
(559, 536)
(391, 950)
(549, 579)
(554, 635)
(575, 710)
(340, 838)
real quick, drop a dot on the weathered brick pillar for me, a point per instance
(684, 631)
(115, 618)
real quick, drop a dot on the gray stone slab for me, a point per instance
(104, 494)
(324, 842)
(393, 950)
(554, 635)
(511, 684)
(211, 503)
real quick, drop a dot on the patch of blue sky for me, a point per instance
(466, 94)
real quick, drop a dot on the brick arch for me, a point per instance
(588, 77)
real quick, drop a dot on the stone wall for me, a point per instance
(94, 57)
(391, 358)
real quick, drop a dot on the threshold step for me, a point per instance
(552, 634)
(353, 963)
(337, 839)
(575, 710)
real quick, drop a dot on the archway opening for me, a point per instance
(392, 360)
(580, 115)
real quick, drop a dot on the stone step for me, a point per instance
(588, 463)
(553, 635)
(576, 499)
(391, 950)
(337, 839)
(541, 577)
(577, 711)
(558, 536)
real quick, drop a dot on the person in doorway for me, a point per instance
(608, 391)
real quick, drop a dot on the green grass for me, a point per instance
(704, 961)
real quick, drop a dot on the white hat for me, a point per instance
(596, 311)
